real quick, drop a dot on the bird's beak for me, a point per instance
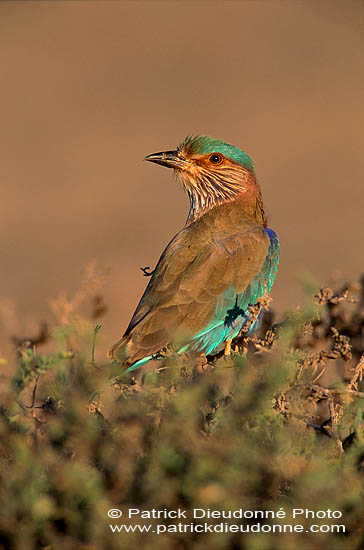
(170, 159)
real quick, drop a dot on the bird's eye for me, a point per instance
(215, 158)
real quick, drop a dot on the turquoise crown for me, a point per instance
(203, 145)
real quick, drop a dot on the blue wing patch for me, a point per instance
(232, 311)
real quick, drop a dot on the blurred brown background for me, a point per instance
(89, 88)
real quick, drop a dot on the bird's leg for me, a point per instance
(227, 350)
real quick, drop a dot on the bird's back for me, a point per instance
(196, 281)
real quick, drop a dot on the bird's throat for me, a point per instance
(207, 193)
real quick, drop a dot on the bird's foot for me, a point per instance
(227, 350)
(146, 271)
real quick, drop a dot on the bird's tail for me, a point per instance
(118, 351)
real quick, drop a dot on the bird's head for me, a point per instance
(211, 171)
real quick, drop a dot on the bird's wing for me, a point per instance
(192, 273)
(218, 329)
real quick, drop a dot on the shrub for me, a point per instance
(274, 427)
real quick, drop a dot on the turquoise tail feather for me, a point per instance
(232, 311)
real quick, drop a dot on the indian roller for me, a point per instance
(222, 261)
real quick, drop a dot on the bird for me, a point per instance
(221, 262)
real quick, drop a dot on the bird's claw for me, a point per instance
(227, 350)
(146, 271)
